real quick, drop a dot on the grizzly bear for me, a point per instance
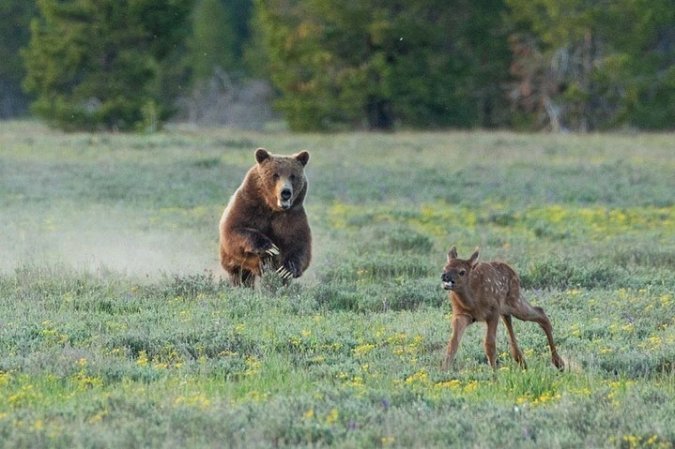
(264, 226)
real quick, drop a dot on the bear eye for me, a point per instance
(275, 176)
(292, 177)
(462, 272)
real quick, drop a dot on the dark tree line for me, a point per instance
(380, 64)
(15, 16)
(104, 63)
(346, 64)
(586, 64)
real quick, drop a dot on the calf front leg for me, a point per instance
(459, 324)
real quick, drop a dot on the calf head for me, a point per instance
(456, 272)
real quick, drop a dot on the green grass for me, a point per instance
(116, 329)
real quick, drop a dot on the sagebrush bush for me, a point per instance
(563, 274)
(191, 285)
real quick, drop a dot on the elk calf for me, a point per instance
(484, 292)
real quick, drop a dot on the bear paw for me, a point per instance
(288, 271)
(273, 251)
(264, 247)
(284, 273)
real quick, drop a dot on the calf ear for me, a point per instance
(473, 260)
(261, 154)
(303, 157)
(452, 254)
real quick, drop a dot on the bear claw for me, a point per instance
(284, 273)
(273, 251)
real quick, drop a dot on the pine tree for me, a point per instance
(212, 44)
(587, 65)
(15, 16)
(98, 63)
(381, 64)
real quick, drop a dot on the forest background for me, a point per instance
(330, 65)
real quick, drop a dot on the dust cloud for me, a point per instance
(126, 241)
(91, 242)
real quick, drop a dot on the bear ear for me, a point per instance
(261, 154)
(303, 157)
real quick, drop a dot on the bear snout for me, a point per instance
(285, 196)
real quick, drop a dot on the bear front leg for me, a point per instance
(247, 249)
(291, 232)
(295, 262)
(257, 243)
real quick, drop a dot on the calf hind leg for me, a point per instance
(515, 350)
(526, 312)
(491, 341)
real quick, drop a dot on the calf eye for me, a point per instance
(462, 272)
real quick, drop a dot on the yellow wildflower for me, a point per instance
(471, 386)
(420, 376)
(387, 441)
(142, 359)
(332, 416)
(363, 349)
(451, 384)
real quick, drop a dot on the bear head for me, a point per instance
(282, 178)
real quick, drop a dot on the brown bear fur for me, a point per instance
(264, 225)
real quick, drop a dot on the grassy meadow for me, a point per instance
(117, 331)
